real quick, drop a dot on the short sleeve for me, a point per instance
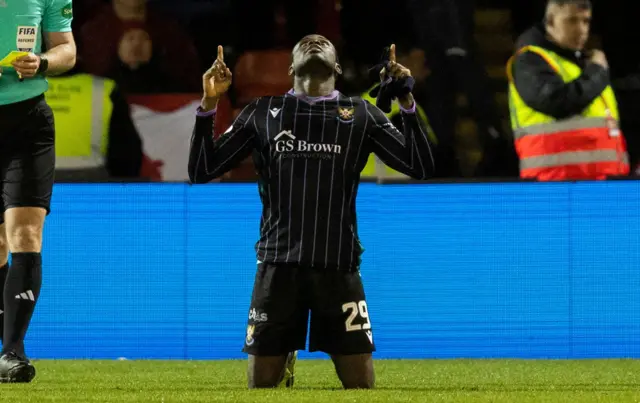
(58, 15)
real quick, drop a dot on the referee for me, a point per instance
(27, 160)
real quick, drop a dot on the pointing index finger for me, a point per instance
(392, 53)
(220, 53)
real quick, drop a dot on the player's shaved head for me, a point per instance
(315, 54)
(567, 22)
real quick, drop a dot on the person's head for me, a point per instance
(314, 55)
(135, 48)
(567, 22)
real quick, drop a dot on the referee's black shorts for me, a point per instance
(284, 295)
(27, 154)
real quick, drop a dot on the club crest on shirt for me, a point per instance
(345, 114)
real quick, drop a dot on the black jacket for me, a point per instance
(544, 90)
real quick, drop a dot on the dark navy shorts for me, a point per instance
(284, 296)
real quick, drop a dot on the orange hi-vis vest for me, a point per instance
(585, 146)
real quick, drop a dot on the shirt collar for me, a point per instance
(333, 95)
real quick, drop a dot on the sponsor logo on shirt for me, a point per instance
(67, 11)
(287, 145)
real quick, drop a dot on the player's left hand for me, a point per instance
(394, 69)
(27, 66)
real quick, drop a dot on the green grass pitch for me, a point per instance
(514, 381)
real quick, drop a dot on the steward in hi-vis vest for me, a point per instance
(563, 111)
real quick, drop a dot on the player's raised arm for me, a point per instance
(409, 151)
(209, 158)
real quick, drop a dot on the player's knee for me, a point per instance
(355, 371)
(364, 384)
(364, 380)
(25, 238)
(265, 372)
(258, 380)
(262, 384)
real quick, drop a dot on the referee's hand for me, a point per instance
(27, 66)
(215, 82)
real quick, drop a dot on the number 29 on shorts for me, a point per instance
(355, 309)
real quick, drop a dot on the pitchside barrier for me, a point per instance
(483, 270)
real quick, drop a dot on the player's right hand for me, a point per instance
(217, 79)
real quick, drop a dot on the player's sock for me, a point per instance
(21, 291)
(3, 276)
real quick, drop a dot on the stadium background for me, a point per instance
(146, 267)
(505, 269)
(528, 270)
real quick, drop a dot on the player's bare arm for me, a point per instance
(60, 57)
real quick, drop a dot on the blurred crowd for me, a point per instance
(456, 50)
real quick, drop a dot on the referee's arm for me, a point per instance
(409, 151)
(209, 158)
(61, 47)
(61, 53)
